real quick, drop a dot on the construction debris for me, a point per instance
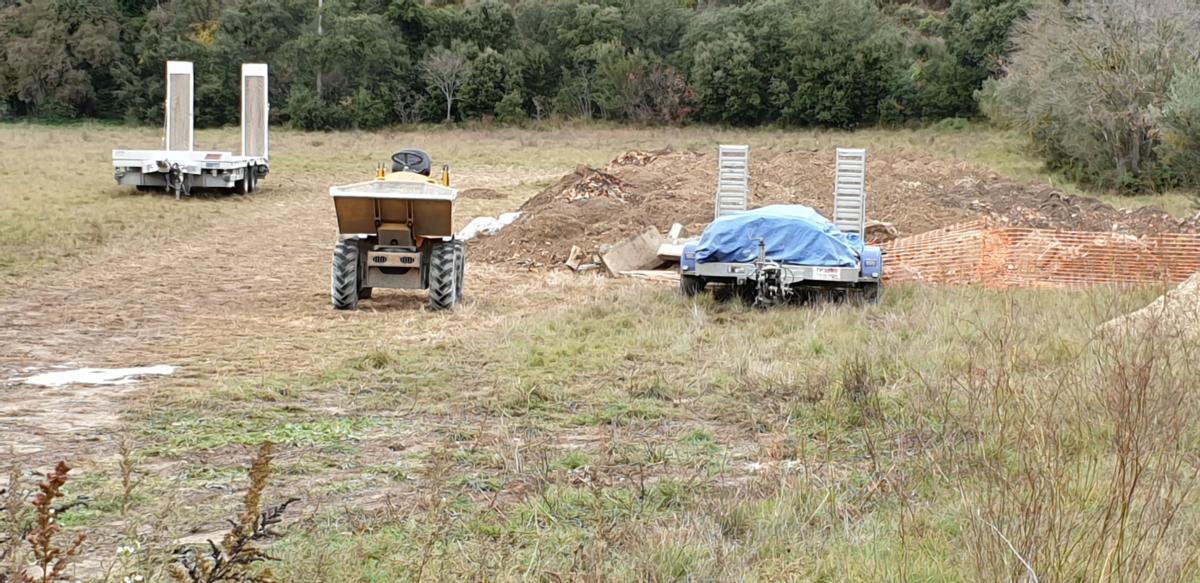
(671, 252)
(573, 259)
(96, 376)
(880, 232)
(634, 254)
(662, 275)
(634, 158)
(487, 225)
(596, 184)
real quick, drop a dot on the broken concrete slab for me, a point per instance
(672, 251)
(634, 254)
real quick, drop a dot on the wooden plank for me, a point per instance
(637, 253)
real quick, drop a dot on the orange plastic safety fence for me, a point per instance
(977, 252)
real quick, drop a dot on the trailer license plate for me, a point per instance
(825, 273)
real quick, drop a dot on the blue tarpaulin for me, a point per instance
(793, 233)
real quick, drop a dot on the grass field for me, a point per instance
(563, 427)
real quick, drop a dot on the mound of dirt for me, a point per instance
(911, 191)
(1177, 313)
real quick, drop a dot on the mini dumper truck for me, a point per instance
(396, 231)
(781, 253)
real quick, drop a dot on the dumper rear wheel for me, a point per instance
(691, 285)
(461, 269)
(345, 288)
(443, 276)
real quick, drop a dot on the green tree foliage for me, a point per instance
(380, 62)
(486, 83)
(729, 86)
(59, 58)
(842, 87)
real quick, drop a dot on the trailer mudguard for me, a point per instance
(872, 263)
(687, 260)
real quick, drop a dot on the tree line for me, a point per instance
(1107, 90)
(836, 63)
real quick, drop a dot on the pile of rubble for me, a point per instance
(595, 184)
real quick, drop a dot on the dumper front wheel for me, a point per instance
(344, 288)
(443, 276)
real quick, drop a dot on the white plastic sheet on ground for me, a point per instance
(96, 376)
(487, 225)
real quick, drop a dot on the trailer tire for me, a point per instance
(443, 276)
(345, 277)
(691, 285)
(872, 293)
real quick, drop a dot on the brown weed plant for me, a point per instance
(1053, 509)
(236, 559)
(49, 557)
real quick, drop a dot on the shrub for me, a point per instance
(1089, 83)
(845, 59)
(306, 112)
(1180, 146)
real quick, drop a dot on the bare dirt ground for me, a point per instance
(242, 296)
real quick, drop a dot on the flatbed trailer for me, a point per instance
(180, 167)
(768, 282)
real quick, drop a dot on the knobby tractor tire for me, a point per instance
(364, 292)
(691, 285)
(345, 276)
(461, 269)
(443, 276)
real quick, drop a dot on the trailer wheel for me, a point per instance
(691, 285)
(251, 178)
(443, 276)
(344, 288)
(872, 293)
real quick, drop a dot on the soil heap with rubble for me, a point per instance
(913, 192)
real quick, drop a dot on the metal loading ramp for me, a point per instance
(850, 191)
(733, 180)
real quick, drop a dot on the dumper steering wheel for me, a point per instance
(408, 159)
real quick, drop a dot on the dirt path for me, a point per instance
(244, 297)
